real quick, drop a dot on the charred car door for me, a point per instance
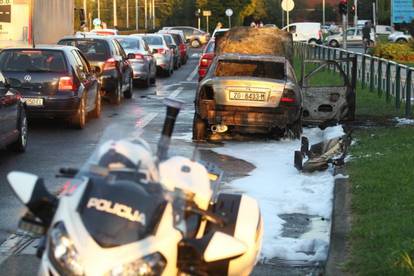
(328, 91)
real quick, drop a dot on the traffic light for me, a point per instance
(353, 10)
(343, 7)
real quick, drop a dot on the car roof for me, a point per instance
(231, 56)
(127, 36)
(44, 47)
(88, 37)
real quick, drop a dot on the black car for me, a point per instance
(13, 122)
(55, 81)
(106, 53)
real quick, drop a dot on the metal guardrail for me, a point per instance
(384, 76)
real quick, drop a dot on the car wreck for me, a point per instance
(251, 87)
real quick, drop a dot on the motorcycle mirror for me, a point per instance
(31, 190)
(222, 246)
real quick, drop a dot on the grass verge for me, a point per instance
(382, 178)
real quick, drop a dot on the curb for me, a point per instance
(341, 225)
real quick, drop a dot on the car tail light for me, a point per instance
(66, 83)
(320, 34)
(204, 62)
(139, 57)
(288, 97)
(161, 51)
(110, 64)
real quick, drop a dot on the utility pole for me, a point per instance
(127, 14)
(323, 13)
(115, 15)
(199, 18)
(136, 15)
(85, 12)
(145, 14)
(99, 9)
(356, 13)
(153, 14)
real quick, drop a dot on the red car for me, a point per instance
(206, 60)
(178, 37)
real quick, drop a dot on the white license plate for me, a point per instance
(248, 96)
(33, 101)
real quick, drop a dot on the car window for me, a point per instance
(350, 32)
(84, 61)
(210, 47)
(92, 49)
(197, 32)
(177, 39)
(168, 39)
(359, 32)
(292, 29)
(129, 44)
(250, 68)
(153, 40)
(33, 61)
(146, 46)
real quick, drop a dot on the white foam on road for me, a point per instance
(281, 189)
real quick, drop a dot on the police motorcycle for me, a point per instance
(129, 212)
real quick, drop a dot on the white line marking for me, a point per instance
(144, 121)
(192, 75)
(176, 92)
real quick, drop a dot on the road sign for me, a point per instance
(97, 22)
(288, 5)
(229, 12)
(206, 13)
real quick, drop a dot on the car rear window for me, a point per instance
(33, 61)
(177, 39)
(92, 49)
(153, 40)
(168, 39)
(210, 47)
(249, 68)
(129, 43)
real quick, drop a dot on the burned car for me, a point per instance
(248, 94)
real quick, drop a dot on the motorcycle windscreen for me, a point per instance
(121, 212)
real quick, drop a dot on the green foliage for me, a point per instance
(395, 51)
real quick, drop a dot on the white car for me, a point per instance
(305, 31)
(354, 38)
(399, 37)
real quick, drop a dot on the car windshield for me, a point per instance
(93, 49)
(129, 43)
(32, 61)
(250, 68)
(153, 40)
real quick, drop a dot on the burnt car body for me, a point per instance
(13, 121)
(105, 53)
(249, 94)
(56, 82)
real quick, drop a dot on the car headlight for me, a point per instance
(63, 253)
(149, 265)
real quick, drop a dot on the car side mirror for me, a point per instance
(131, 56)
(172, 46)
(31, 191)
(222, 246)
(11, 82)
(154, 51)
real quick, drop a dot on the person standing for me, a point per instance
(366, 36)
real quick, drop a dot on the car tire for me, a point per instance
(116, 96)
(199, 128)
(96, 112)
(21, 143)
(79, 119)
(334, 43)
(128, 93)
(294, 131)
(195, 43)
(313, 42)
(401, 40)
(152, 80)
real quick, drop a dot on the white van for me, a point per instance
(305, 31)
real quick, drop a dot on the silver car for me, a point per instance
(353, 38)
(162, 53)
(250, 94)
(143, 65)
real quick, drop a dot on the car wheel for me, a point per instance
(313, 42)
(294, 131)
(116, 96)
(199, 128)
(96, 113)
(401, 40)
(79, 120)
(334, 43)
(195, 43)
(128, 93)
(21, 143)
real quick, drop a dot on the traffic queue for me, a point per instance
(69, 80)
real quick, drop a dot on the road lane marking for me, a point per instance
(176, 92)
(144, 121)
(192, 75)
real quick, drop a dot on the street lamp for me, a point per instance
(136, 15)
(127, 14)
(114, 15)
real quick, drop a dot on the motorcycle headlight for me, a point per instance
(149, 265)
(63, 253)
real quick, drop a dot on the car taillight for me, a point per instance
(288, 96)
(139, 57)
(161, 51)
(110, 64)
(204, 62)
(66, 83)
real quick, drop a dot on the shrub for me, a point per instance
(395, 51)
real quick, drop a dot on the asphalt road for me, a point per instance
(52, 145)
